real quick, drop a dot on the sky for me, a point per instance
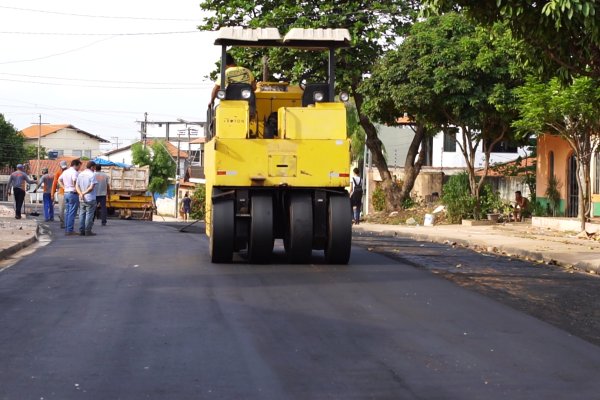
(101, 65)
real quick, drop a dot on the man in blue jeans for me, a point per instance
(46, 181)
(102, 191)
(86, 187)
(68, 180)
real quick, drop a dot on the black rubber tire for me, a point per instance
(260, 241)
(339, 230)
(222, 231)
(299, 230)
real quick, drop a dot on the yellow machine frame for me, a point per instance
(300, 172)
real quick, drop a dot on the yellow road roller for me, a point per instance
(277, 158)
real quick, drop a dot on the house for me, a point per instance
(65, 140)
(556, 158)
(443, 157)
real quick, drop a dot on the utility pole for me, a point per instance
(145, 130)
(39, 144)
(116, 138)
(177, 174)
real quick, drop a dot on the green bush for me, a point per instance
(457, 198)
(490, 200)
(378, 198)
(198, 203)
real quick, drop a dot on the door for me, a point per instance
(572, 189)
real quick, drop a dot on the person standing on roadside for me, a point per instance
(186, 206)
(68, 180)
(356, 196)
(60, 196)
(86, 188)
(47, 180)
(102, 192)
(17, 181)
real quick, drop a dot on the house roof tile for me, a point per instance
(34, 131)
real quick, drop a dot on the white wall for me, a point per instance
(69, 140)
(122, 156)
(455, 159)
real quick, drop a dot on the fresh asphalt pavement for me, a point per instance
(138, 311)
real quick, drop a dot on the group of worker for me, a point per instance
(79, 188)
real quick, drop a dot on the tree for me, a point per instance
(12, 150)
(573, 113)
(31, 152)
(162, 166)
(563, 35)
(449, 73)
(356, 134)
(374, 27)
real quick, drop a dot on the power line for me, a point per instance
(101, 81)
(99, 34)
(56, 54)
(107, 87)
(98, 16)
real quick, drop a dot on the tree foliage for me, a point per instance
(447, 73)
(12, 150)
(572, 112)
(564, 35)
(162, 166)
(374, 27)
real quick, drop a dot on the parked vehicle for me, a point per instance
(129, 198)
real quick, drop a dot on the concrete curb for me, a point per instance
(482, 246)
(9, 251)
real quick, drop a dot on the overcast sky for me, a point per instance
(102, 73)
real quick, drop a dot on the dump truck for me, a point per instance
(129, 197)
(277, 159)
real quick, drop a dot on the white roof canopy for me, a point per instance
(317, 39)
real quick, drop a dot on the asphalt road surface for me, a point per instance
(138, 312)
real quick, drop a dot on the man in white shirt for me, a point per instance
(68, 180)
(86, 188)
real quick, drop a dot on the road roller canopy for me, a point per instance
(310, 39)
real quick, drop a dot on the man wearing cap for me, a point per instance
(61, 193)
(17, 181)
(47, 180)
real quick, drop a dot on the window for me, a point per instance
(450, 140)
(551, 164)
(82, 153)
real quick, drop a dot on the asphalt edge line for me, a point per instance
(505, 251)
(9, 251)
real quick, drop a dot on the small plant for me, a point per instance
(408, 203)
(378, 198)
(491, 203)
(198, 203)
(457, 198)
(553, 195)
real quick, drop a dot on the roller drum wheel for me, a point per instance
(260, 243)
(339, 230)
(222, 231)
(299, 231)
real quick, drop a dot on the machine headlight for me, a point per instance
(221, 94)
(344, 97)
(246, 94)
(318, 96)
